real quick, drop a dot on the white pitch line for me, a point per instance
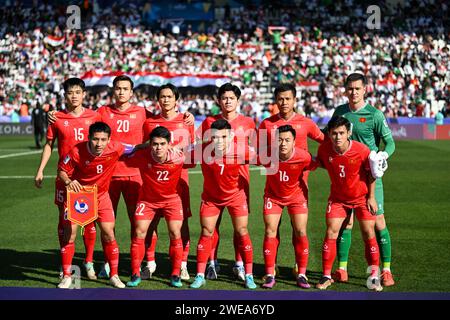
(50, 177)
(20, 154)
(24, 177)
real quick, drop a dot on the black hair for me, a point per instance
(287, 128)
(355, 77)
(72, 82)
(123, 78)
(99, 127)
(160, 132)
(283, 88)
(229, 87)
(338, 121)
(221, 124)
(170, 86)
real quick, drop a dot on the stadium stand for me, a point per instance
(406, 60)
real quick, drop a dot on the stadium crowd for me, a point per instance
(406, 62)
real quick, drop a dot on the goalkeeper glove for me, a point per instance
(383, 155)
(375, 162)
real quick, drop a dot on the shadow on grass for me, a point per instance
(43, 267)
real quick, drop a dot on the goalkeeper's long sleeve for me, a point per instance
(389, 145)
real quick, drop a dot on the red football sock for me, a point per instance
(246, 249)
(60, 232)
(112, 256)
(270, 248)
(278, 241)
(67, 252)
(203, 252)
(176, 255)
(186, 247)
(372, 254)
(137, 252)
(214, 244)
(301, 245)
(237, 253)
(328, 255)
(89, 236)
(150, 244)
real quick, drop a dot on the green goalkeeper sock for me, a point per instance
(384, 242)
(343, 248)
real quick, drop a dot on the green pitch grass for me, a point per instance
(417, 202)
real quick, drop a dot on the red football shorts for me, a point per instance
(236, 208)
(171, 210)
(271, 206)
(105, 208)
(342, 210)
(129, 186)
(60, 192)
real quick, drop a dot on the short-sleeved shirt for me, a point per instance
(70, 130)
(368, 124)
(244, 135)
(284, 186)
(180, 133)
(160, 180)
(303, 126)
(126, 127)
(221, 177)
(90, 169)
(348, 172)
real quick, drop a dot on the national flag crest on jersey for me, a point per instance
(82, 207)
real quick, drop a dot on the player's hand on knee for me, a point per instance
(372, 205)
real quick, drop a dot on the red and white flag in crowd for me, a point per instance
(156, 79)
(54, 41)
(309, 85)
(130, 37)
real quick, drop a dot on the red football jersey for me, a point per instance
(89, 169)
(221, 176)
(244, 131)
(284, 185)
(126, 127)
(180, 133)
(348, 172)
(160, 180)
(304, 128)
(70, 130)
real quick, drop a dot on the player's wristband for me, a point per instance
(66, 183)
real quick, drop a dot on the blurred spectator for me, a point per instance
(311, 43)
(39, 122)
